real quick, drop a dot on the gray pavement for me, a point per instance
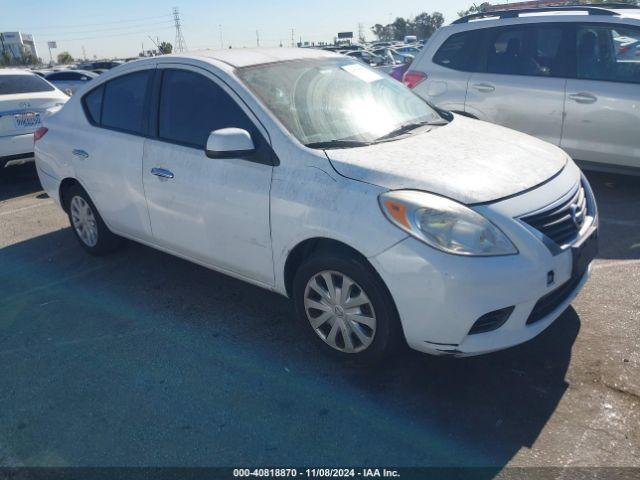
(143, 359)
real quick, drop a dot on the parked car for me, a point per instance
(24, 99)
(316, 177)
(69, 81)
(558, 75)
(408, 50)
(366, 57)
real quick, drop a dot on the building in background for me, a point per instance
(18, 45)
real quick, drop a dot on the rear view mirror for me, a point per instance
(229, 143)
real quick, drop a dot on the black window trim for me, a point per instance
(264, 153)
(576, 26)
(145, 109)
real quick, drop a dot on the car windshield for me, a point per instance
(336, 101)
(12, 84)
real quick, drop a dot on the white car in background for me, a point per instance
(314, 176)
(24, 99)
(70, 81)
(567, 75)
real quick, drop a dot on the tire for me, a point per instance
(372, 327)
(87, 224)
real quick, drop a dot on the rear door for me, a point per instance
(522, 84)
(107, 152)
(602, 112)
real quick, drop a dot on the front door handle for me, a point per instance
(484, 87)
(162, 172)
(583, 97)
(81, 154)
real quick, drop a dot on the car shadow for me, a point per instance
(18, 180)
(147, 359)
(618, 198)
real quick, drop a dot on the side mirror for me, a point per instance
(68, 91)
(229, 143)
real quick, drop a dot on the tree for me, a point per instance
(165, 48)
(475, 9)
(65, 58)
(422, 26)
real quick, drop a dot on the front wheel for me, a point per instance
(87, 224)
(346, 307)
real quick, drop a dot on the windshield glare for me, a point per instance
(337, 99)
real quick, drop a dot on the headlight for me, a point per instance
(444, 224)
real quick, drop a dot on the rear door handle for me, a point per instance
(484, 87)
(81, 154)
(162, 173)
(583, 97)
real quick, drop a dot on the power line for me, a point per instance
(49, 28)
(112, 29)
(181, 45)
(110, 36)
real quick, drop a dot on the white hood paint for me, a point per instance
(468, 160)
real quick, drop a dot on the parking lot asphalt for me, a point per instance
(143, 359)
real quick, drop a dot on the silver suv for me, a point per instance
(568, 75)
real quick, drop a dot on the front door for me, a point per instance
(215, 211)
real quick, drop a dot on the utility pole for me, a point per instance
(257, 38)
(292, 37)
(221, 42)
(181, 44)
(84, 54)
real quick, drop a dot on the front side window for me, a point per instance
(534, 50)
(609, 53)
(459, 51)
(123, 102)
(192, 106)
(335, 100)
(13, 84)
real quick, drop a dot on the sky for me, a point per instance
(119, 28)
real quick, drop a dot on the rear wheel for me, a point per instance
(87, 224)
(346, 307)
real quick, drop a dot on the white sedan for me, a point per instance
(311, 175)
(24, 99)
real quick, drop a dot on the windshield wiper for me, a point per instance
(329, 144)
(407, 127)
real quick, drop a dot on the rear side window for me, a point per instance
(12, 84)
(534, 50)
(93, 104)
(192, 106)
(608, 53)
(459, 51)
(124, 101)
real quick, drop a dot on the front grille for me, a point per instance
(562, 223)
(552, 300)
(491, 321)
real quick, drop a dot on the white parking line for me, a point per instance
(22, 209)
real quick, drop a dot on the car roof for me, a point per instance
(15, 71)
(245, 57)
(569, 13)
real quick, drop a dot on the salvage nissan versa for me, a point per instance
(309, 174)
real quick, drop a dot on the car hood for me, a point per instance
(467, 160)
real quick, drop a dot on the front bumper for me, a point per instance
(439, 297)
